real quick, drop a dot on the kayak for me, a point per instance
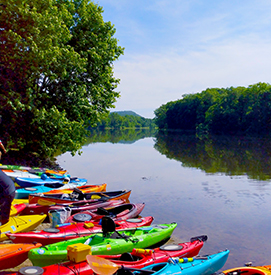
(31, 169)
(35, 209)
(79, 196)
(199, 265)
(30, 182)
(18, 173)
(117, 213)
(17, 209)
(138, 258)
(72, 231)
(87, 188)
(106, 243)
(12, 255)
(57, 188)
(20, 224)
(249, 270)
(20, 201)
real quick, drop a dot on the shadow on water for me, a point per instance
(232, 156)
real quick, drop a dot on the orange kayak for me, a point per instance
(249, 270)
(84, 188)
(43, 199)
(12, 255)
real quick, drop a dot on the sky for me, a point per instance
(177, 47)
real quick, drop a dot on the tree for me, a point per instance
(56, 72)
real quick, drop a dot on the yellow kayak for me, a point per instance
(20, 224)
(249, 270)
(19, 201)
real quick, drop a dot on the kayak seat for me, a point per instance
(77, 194)
(117, 235)
(127, 257)
(102, 211)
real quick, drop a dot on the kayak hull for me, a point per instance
(250, 270)
(20, 224)
(55, 198)
(35, 209)
(121, 212)
(140, 237)
(30, 182)
(57, 188)
(17, 209)
(87, 188)
(12, 255)
(72, 231)
(206, 265)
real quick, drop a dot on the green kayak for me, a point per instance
(106, 243)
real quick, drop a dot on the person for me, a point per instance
(7, 192)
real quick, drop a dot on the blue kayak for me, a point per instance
(44, 179)
(199, 265)
(24, 192)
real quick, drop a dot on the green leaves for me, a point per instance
(56, 70)
(220, 111)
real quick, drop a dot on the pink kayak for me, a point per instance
(75, 207)
(117, 213)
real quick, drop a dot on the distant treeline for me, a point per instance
(117, 121)
(220, 111)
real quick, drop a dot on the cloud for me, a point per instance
(148, 81)
(178, 47)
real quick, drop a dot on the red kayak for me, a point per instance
(36, 209)
(66, 232)
(17, 209)
(138, 258)
(121, 212)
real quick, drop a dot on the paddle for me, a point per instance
(105, 267)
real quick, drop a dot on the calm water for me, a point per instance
(208, 188)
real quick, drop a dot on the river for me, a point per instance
(219, 188)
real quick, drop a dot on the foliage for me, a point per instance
(56, 72)
(229, 155)
(120, 121)
(220, 111)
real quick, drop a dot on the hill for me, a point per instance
(125, 113)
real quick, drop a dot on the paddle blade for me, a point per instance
(102, 266)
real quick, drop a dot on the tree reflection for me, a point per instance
(219, 154)
(130, 135)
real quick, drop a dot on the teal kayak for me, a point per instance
(200, 265)
(23, 193)
(106, 243)
(44, 179)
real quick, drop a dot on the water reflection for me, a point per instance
(201, 185)
(128, 136)
(232, 156)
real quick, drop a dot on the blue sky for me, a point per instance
(178, 47)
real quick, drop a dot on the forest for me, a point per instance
(122, 120)
(234, 110)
